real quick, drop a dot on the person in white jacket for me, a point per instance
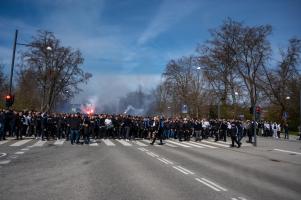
(274, 128)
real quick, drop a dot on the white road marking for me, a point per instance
(13, 157)
(180, 170)
(204, 145)
(25, 149)
(234, 198)
(59, 142)
(194, 145)
(19, 143)
(228, 143)
(215, 143)
(163, 161)
(3, 154)
(4, 162)
(93, 144)
(167, 161)
(3, 142)
(242, 198)
(140, 144)
(170, 145)
(108, 142)
(141, 149)
(188, 171)
(19, 152)
(39, 143)
(150, 154)
(124, 143)
(177, 143)
(205, 183)
(154, 154)
(214, 184)
(286, 151)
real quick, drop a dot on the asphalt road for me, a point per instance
(132, 170)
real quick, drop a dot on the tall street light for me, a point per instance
(13, 60)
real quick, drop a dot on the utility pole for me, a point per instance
(13, 63)
(254, 116)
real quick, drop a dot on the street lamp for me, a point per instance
(13, 59)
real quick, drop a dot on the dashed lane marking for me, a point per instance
(214, 184)
(19, 152)
(186, 170)
(210, 186)
(180, 170)
(25, 149)
(286, 151)
(167, 161)
(4, 162)
(170, 145)
(3, 154)
(163, 161)
(19, 143)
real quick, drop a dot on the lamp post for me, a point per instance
(13, 59)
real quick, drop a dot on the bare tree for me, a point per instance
(277, 81)
(57, 69)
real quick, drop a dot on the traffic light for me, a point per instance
(258, 110)
(9, 100)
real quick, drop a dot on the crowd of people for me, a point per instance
(78, 126)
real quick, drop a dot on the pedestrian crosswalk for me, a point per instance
(170, 143)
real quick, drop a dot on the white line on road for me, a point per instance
(177, 143)
(140, 144)
(204, 145)
(170, 145)
(150, 154)
(19, 143)
(180, 170)
(141, 149)
(19, 152)
(215, 143)
(286, 151)
(188, 171)
(95, 144)
(214, 184)
(39, 143)
(59, 142)
(108, 142)
(124, 143)
(242, 198)
(194, 145)
(25, 149)
(234, 198)
(205, 183)
(4, 162)
(3, 154)
(3, 142)
(154, 154)
(163, 161)
(167, 161)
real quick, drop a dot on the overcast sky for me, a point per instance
(128, 42)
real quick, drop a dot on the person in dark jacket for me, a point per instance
(74, 124)
(234, 132)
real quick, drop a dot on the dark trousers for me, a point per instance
(234, 139)
(158, 135)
